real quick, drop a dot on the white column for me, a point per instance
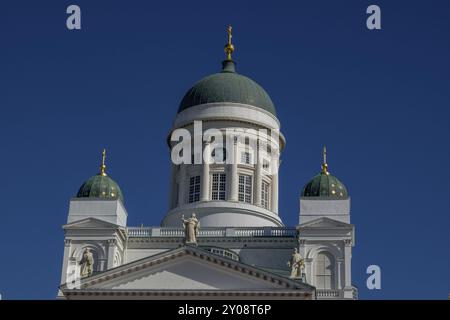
(274, 189)
(182, 186)
(302, 251)
(111, 251)
(233, 175)
(339, 273)
(66, 256)
(204, 184)
(308, 271)
(301, 247)
(348, 263)
(258, 178)
(102, 264)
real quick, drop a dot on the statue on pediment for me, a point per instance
(297, 264)
(191, 227)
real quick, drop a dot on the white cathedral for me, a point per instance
(222, 237)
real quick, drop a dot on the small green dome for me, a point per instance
(325, 185)
(227, 86)
(100, 186)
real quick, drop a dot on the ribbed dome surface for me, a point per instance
(100, 186)
(227, 86)
(325, 185)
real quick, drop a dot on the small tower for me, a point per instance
(326, 236)
(99, 197)
(324, 196)
(96, 224)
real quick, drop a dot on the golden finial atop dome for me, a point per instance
(103, 166)
(324, 164)
(229, 48)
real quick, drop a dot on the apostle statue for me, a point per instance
(297, 264)
(191, 226)
(87, 263)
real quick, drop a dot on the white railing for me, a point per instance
(223, 252)
(335, 293)
(170, 232)
(212, 232)
(249, 232)
(139, 232)
(142, 232)
(328, 293)
(265, 232)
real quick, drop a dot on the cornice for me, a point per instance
(204, 255)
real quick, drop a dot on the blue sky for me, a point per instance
(379, 100)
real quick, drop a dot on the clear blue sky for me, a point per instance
(379, 100)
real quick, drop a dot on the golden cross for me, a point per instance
(230, 35)
(229, 48)
(324, 164)
(103, 166)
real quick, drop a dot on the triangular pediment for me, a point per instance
(90, 223)
(189, 269)
(325, 222)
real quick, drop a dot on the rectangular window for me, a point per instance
(218, 186)
(245, 188)
(265, 195)
(194, 189)
(245, 157)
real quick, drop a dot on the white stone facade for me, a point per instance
(242, 248)
(266, 248)
(231, 119)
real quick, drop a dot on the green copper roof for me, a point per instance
(325, 185)
(100, 186)
(227, 86)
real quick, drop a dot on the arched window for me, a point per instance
(324, 271)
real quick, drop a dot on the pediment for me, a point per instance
(189, 269)
(325, 222)
(90, 223)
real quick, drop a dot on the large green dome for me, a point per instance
(325, 185)
(100, 186)
(227, 86)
